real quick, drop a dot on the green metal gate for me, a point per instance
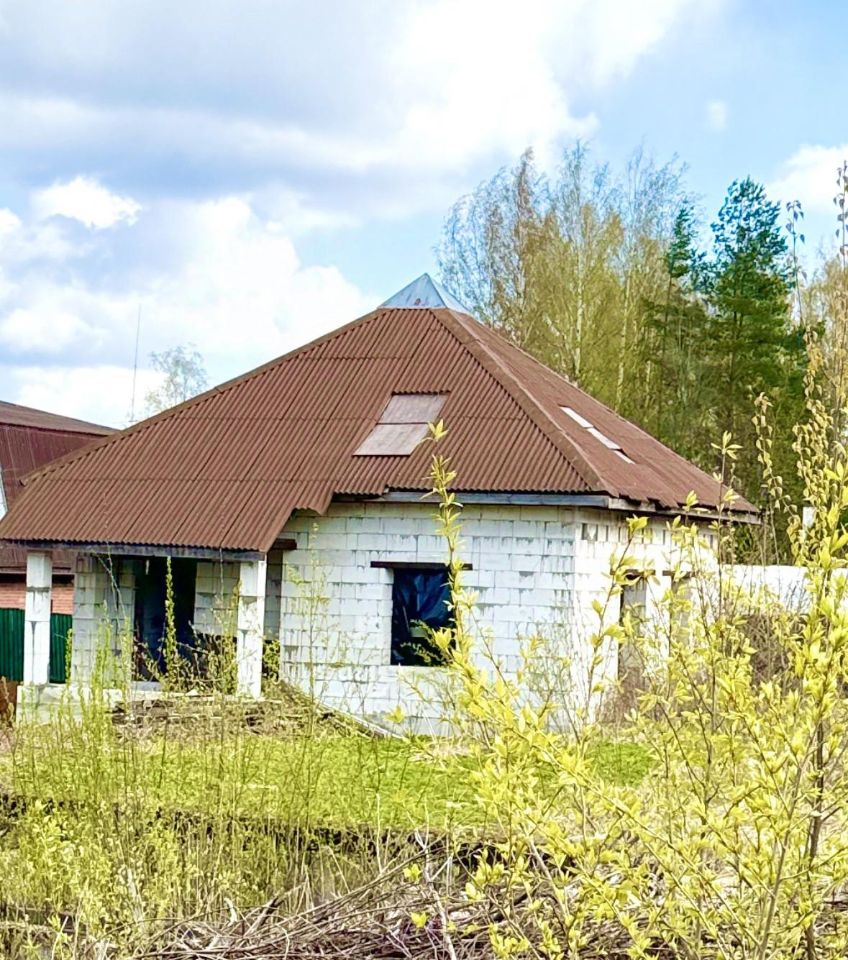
(12, 645)
(60, 627)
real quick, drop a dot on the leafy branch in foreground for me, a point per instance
(736, 844)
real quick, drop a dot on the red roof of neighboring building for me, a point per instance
(30, 439)
(226, 469)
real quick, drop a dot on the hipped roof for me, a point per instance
(226, 469)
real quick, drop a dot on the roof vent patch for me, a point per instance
(402, 425)
(425, 292)
(593, 431)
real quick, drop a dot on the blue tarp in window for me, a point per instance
(419, 596)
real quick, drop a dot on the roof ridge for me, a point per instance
(63, 424)
(519, 392)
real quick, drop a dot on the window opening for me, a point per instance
(150, 593)
(634, 602)
(420, 604)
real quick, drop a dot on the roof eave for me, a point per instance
(147, 549)
(597, 501)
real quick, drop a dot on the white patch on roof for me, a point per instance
(593, 431)
(575, 416)
(425, 292)
(403, 425)
(605, 440)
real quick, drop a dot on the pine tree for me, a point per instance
(750, 343)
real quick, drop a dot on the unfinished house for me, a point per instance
(30, 439)
(290, 503)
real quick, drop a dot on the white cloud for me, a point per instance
(716, 115)
(397, 109)
(99, 393)
(211, 272)
(84, 199)
(615, 34)
(41, 326)
(9, 222)
(809, 175)
(241, 291)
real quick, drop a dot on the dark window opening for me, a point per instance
(420, 600)
(150, 596)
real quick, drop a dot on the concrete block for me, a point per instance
(400, 544)
(526, 562)
(538, 513)
(370, 541)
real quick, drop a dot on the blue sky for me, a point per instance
(251, 174)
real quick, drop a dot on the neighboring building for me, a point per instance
(301, 484)
(30, 439)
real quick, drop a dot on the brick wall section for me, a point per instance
(63, 598)
(13, 596)
(536, 571)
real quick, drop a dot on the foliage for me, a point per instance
(183, 376)
(564, 265)
(670, 347)
(736, 845)
(823, 303)
(750, 344)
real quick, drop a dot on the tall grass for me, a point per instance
(121, 815)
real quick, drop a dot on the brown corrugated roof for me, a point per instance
(30, 439)
(13, 414)
(225, 470)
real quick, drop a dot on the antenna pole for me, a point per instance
(135, 365)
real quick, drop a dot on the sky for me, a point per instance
(246, 175)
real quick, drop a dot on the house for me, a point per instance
(30, 439)
(292, 495)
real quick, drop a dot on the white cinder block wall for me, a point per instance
(535, 570)
(215, 597)
(104, 599)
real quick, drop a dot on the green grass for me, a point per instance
(621, 762)
(335, 780)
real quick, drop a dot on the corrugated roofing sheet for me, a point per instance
(13, 414)
(30, 439)
(226, 469)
